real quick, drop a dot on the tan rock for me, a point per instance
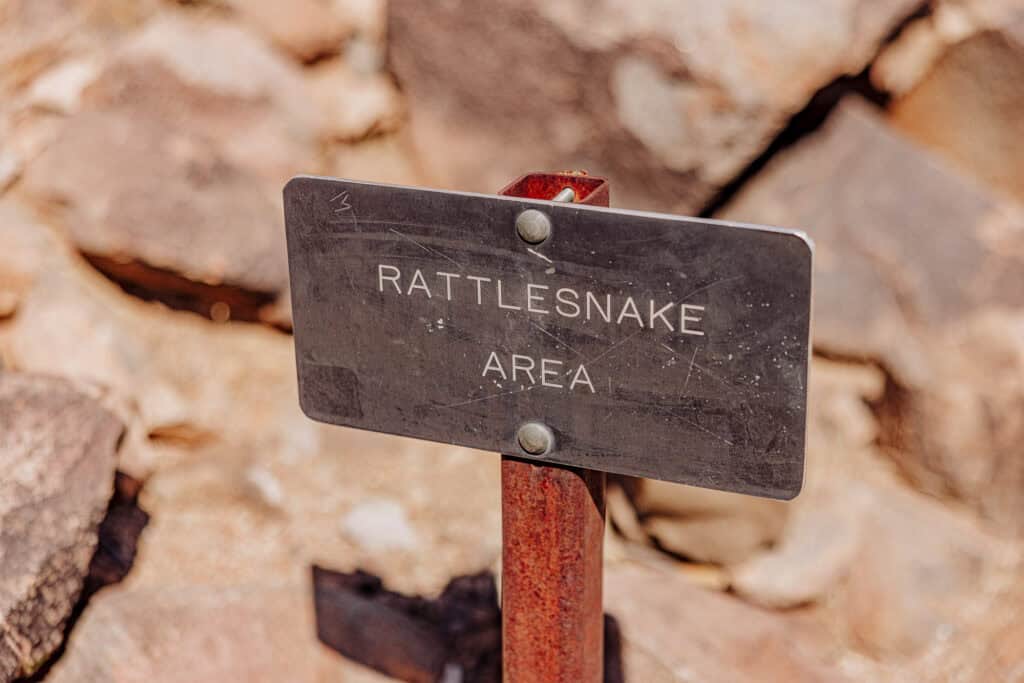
(723, 540)
(133, 188)
(10, 169)
(918, 576)
(705, 525)
(27, 250)
(384, 159)
(212, 526)
(259, 633)
(225, 84)
(307, 29)
(669, 99)
(60, 88)
(927, 273)
(820, 544)
(963, 98)
(172, 376)
(353, 105)
(58, 451)
(970, 424)
(679, 632)
(369, 17)
(190, 121)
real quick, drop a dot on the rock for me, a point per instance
(824, 531)
(32, 33)
(368, 17)
(171, 377)
(917, 577)
(623, 515)
(384, 159)
(58, 451)
(928, 274)
(966, 105)
(140, 190)
(353, 105)
(27, 250)
(965, 431)
(820, 544)
(305, 28)
(216, 57)
(380, 524)
(705, 525)
(169, 176)
(670, 100)
(60, 89)
(209, 527)
(10, 169)
(722, 540)
(674, 631)
(994, 650)
(202, 634)
(917, 266)
(231, 462)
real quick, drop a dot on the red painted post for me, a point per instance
(553, 521)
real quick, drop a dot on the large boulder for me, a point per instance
(168, 175)
(917, 270)
(669, 99)
(58, 452)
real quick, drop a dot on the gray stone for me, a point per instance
(58, 452)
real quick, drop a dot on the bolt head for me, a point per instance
(535, 438)
(533, 226)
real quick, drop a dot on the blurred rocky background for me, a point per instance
(162, 500)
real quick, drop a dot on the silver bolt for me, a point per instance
(533, 226)
(535, 438)
(566, 195)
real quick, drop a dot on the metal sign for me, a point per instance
(637, 343)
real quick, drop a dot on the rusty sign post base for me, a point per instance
(552, 532)
(552, 521)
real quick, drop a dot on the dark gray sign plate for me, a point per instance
(651, 345)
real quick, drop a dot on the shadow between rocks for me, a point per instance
(455, 637)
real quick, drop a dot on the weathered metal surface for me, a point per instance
(552, 521)
(651, 345)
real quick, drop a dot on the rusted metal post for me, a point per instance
(553, 521)
(551, 610)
